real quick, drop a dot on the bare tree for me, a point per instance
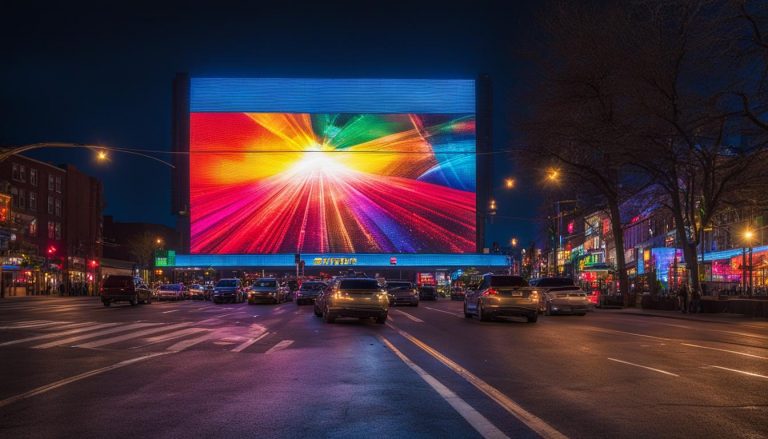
(142, 248)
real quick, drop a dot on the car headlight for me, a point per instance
(534, 296)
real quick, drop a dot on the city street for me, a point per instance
(73, 368)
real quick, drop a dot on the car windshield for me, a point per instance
(118, 281)
(265, 283)
(171, 287)
(398, 285)
(312, 286)
(508, 281)
(554, 282)
(359, 284)
(227, 283)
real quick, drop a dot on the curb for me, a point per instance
(690, 319)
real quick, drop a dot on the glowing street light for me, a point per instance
(513, 242)
(509, 183)
(553, 175)
(102, 156)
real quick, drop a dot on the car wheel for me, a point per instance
(134, 300)
(381, 319)
(327, 317)
(467, 315)
(106, 302)
(548, 310)
(532, 317)
(483, 316)
(318, 313)
(149, 300)
(581, 314)
(416, 304)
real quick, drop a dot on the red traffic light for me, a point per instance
(51, 250)
(93, 263)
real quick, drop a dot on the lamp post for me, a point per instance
(748, 235)
(102, 152)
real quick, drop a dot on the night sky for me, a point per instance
(102, 73)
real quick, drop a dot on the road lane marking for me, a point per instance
(77, 338)
(644, 367)
(64, 382)
(280, 346)
(32, 325)
(171, 336)
(89, 327)
(413, 318)
(743, 334)
(248, 343)
(182, 345)
(725, 350)
(529, 419)
(132, 335)
(168, 312)
(479, 422)
(594, 328)
(446, 312)
(741, 372)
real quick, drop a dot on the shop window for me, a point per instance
(33, 201)
(33, 177)
(50, 205)
(33, 228)
(58, 184)
(58, 230)
(51, 230)
(58, 207)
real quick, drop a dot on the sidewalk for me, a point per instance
(700, 317)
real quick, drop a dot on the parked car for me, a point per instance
(566, 300)
(545, 284)
(120, 288)
(197, 291)
(427, 292)
(228, 290)
(402, 293)
(309, 291)
(353, 297)
(266, 290)
(172, 292)
(502, 296)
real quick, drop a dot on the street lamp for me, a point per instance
(553, 175)
(748, 235)
(101, 151)
(509, 183)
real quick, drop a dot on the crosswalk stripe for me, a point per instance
(171, 336)
(180, 346)
(91, 327)
(280, 346)
(248, 343)
(119, 338)
(77, 338)
(30, 325)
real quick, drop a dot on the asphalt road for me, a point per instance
(72, 368)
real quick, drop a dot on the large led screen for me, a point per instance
(332, 166)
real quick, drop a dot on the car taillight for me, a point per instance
(490, 292)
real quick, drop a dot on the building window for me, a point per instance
(15, 172)
(51, 230)
(50, 205)
(58, 184)
(14, 198)
(22, 173)
(58, 207)
(33, 201)
(33, 227)
(33, 177)
(58, 230)
(22, 199)
(50, 182)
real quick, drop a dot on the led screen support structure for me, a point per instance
(324, 165)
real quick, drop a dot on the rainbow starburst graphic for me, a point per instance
(335, 183)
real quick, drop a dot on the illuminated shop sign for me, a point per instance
(334, 261)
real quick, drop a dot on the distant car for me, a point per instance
(228, 290)
(566, 300)
(119, 288)
(309, 291)
(196, 291)
(502, 296)
(457, 293)
(402, 293)
(208, 290)
(545, 284)
(171, 292)
(266, 290)
(353, 297)
(427, 292)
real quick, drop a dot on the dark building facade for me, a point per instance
(136, 243)
(50, 241)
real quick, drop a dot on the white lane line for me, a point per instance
(644, 367)
(533, 422)
(64, 382)
(628, 333)
(131, 335)
(741, 372)
(248, 343)
(182, 345)
(70, 340)
(446, 312)
(742, 334)
(280, 346)
(90, 327)
(725, 350)
(171, 336)
(479, 422)
(411, 317)
(32, 325)
(168, 312)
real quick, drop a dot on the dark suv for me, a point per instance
(119, 288)
(353, 297)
